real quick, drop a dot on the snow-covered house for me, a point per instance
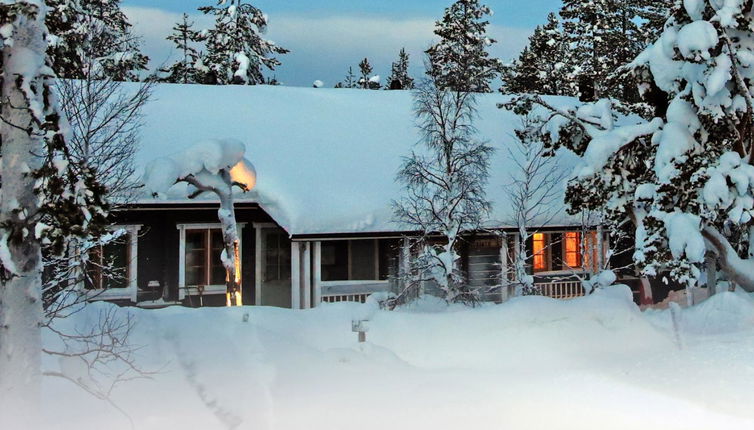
(319, 224)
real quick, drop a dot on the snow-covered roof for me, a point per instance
(326, 159)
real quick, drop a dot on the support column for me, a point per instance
(317, 274)
(504, 267)
(295, 276)
(600, 250)
(258, 266)
(306, 275)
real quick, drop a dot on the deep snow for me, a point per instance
(532, 363)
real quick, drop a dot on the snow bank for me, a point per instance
(590, 363)
(326, 158)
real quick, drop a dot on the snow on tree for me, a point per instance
(460, 59)
(45, 199)
(236, 52)
(184, 70)
(213, 166)
(318, 84)
(445, 181)
(399, 78)
(541, 67)
(685, 179)
(93, 36)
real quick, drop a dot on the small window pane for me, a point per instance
(363, 260)
(335, 260)
(217, 271)
(539, 252)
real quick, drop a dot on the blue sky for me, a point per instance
(327, 36)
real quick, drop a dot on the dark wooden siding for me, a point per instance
(159, 244)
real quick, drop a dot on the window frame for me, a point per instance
(131, 291)
(193, 290)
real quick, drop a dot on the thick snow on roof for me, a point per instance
(326, 159)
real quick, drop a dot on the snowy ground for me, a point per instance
(533, 363)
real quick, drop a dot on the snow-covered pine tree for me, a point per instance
(236, 52)
(367, 81)
(45, 199)
(540, 68)
(184, 36)
(399, 78)
(683, 179)
(460, 60)
(445, 182)
(93, 35)
(602, 35)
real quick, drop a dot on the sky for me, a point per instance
(325, 37)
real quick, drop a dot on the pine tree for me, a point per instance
(236, 52)
(460, 60)
(399, 78)
(93, 37)
(540, 68)
(183, 70)
(602, 36)
(683, 179)
(367, 81)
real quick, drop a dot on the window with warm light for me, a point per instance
(572, 249)
(538, 241)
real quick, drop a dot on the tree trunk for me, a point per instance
(21, 286)
(736, 269)
(231, 261)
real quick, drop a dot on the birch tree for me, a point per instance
(44, 200)
(534, 190)
(445, 179)
(214, 166)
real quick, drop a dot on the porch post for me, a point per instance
(600, 250)
(306, 275)
(258, 266)
(504, 266)
(317, 274)
(295, 276)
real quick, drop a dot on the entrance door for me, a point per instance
(274, 283)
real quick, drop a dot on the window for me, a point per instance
(358, 260)
(540, 257)
(108, 266)
(202, 253)
(277, 256)
(572, 249)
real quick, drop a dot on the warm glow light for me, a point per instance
(572, 245)
(539, 251)
(244, 173)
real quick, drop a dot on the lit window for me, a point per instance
(572, 249)
(539, 252)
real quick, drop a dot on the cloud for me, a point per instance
(323, 47)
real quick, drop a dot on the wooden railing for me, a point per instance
(334, 298)
(561, 290)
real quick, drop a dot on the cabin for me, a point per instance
(319, 226)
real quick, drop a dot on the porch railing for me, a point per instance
(351, 291)
(561, 290)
